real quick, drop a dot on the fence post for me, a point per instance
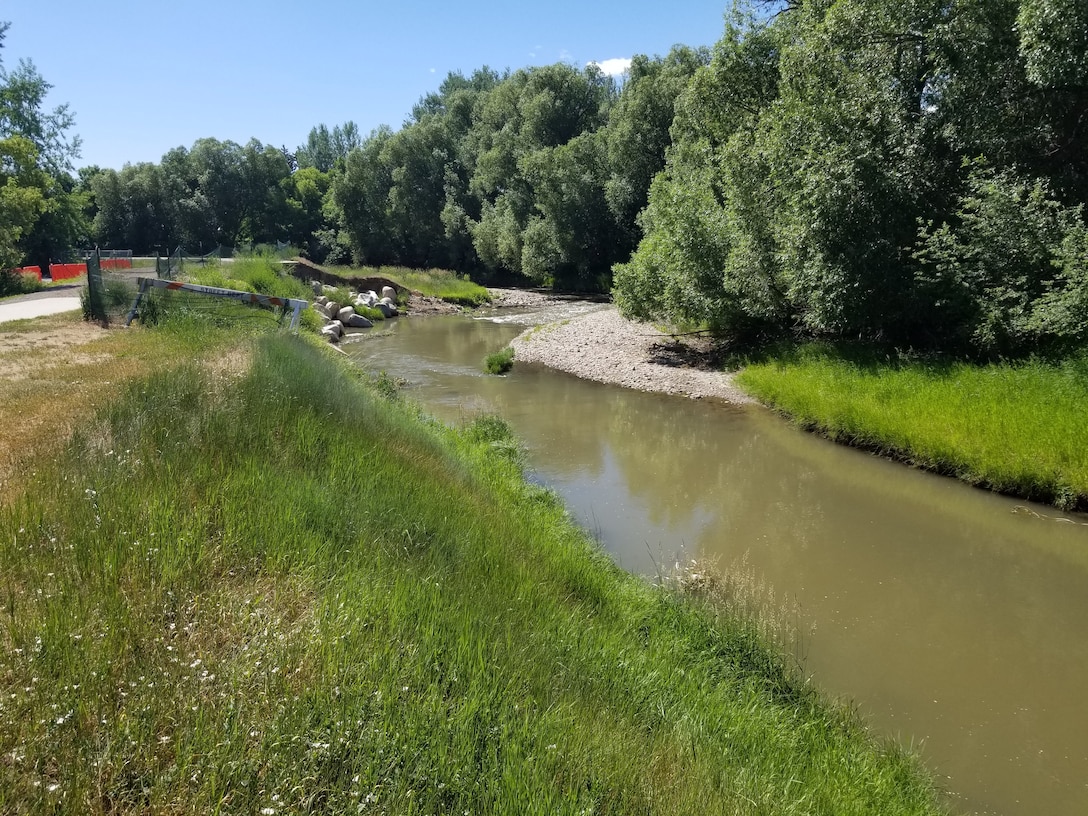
(144, 283)
(95, 296)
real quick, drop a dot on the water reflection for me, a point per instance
(950, 618)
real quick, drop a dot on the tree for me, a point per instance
(993, 277)
(22, 93)
(306, 192)
(638, 131)
(37, 154)
(22, 196)
(532, 110)
(110, 223)
(323, 149)
(703, 258)
(63, 224)
(572, 238)
(219, 171)
(360, 197)
(805, 157)
(1054, 42)
(267, 214)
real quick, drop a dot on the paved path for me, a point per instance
(36, 304)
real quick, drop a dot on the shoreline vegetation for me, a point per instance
(1012, 427)
(257, 580)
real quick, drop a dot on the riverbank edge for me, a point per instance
(909, 458)
(605, 592)
(605, 347)
(1032, 484)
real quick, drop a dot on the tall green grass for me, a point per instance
(1014, 427)
(261, 274)
(251, 273)
(289, 592)
(442, 284)
(499, 362)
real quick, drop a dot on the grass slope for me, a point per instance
(285, 591)
(1015, 427)
(439, 283)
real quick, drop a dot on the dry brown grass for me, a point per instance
(56, 370)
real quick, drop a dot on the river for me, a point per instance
(954, 620)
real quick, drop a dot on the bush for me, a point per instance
(1062, 311)
(311, 321)
(987, 274)
(501, 361)
(12, 282)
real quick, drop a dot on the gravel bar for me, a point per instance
(601, 345)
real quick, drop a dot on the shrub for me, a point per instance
(12, 282)
(501, 361)
(988, 274)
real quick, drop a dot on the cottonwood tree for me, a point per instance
(898, 170)
(36, 158)
(22, 200)
(324, 148)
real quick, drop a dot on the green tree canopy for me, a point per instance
(39, 196)
(888, 169)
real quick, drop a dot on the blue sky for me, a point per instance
(144, 77)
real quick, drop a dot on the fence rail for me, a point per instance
(107, 254)
(232, 294)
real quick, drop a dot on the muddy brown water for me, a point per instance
(955, 620)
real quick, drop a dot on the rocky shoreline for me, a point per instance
(598, 344)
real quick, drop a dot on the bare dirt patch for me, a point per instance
(425, 304)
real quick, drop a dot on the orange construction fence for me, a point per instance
(31, 270)
(65, 271)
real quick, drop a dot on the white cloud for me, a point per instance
(613, 67)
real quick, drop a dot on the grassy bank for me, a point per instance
(275, 588)
(439, 283)
(1015, 427)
